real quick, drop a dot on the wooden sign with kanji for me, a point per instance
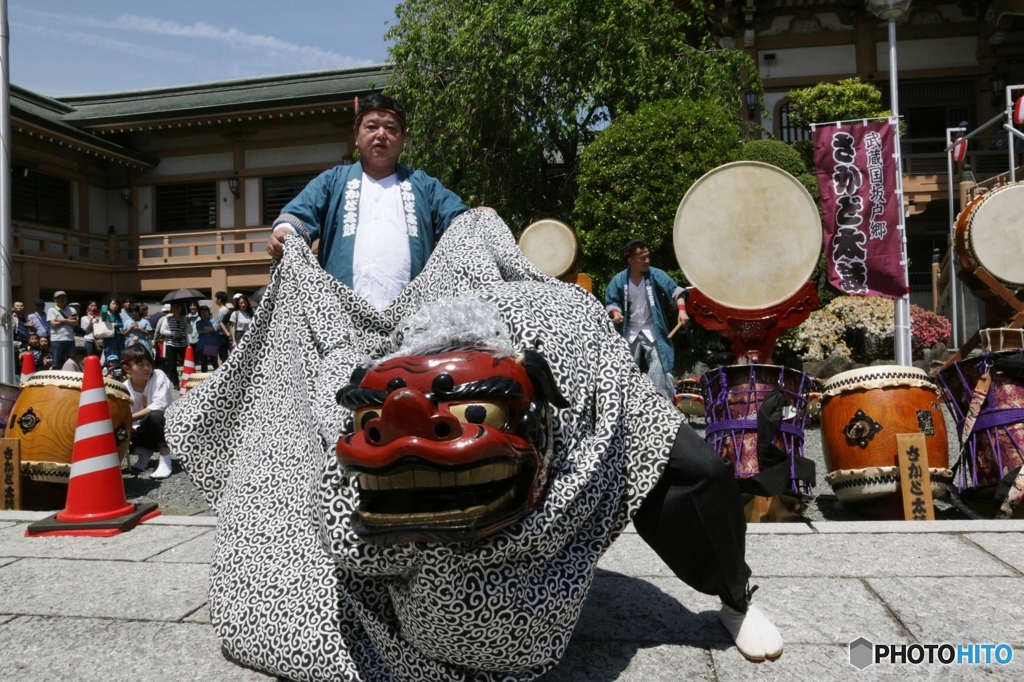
(10, 455)
(915, 478)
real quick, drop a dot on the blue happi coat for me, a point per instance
(662, 291)
(328, 210)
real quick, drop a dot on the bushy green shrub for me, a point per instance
(774, 152)
(635, 173)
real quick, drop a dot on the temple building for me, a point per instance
(954, 61)
(143, 192)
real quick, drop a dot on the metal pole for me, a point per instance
(7, 325)
(1009, 132)
(952, 260)
(901, 320)
(980, 129)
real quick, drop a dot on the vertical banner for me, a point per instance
(856, 172)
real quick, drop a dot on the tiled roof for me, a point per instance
(249, 94)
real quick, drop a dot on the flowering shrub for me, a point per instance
(861, 328)
(819, 337)
(928, 328)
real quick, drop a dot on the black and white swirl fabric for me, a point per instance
(293, 590)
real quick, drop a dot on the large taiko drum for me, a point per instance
(195, 379)
(552, 246)
(989, 233)
(45, 416)
(995, 445)
(732, 397)
(862, 412)
(1001, 338)
(747, 235)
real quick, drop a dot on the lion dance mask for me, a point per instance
(449, 446)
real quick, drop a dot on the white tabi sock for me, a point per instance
(756, 637)
(164, 470)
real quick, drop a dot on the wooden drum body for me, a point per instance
(995, 445)
(862, 412)
(989, 233)
(732, 397)
(45, 416)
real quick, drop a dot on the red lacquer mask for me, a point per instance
(447, 447)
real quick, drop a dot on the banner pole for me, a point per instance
(952, 259)
(901, 318)
(9, 325)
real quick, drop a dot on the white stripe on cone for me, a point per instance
(93, 429)
(93, 396)
(94, 464)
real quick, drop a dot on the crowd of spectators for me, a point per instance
(141, 349)
(55, 335)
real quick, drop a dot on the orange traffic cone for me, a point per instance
(96, 503)
(188, 370)
(28, 366)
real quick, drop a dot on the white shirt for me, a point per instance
(157, 395)
(381, 260)
(640, 317)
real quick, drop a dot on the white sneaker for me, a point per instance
(755, 636)
(164, 470)
(142, 457)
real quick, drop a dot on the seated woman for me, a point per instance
(151, 394)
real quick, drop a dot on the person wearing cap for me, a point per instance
(62, 319)
(37, 321)
(377, 220)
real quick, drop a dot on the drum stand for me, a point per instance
(753, 332)
(986, 287)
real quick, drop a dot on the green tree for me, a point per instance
(503, 97)
(774, 152)
(635, 173)
(828, 102)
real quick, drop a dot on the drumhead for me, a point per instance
(551, 245)
(114, 388)
(995, 234)
(877, 376)
(747, 235)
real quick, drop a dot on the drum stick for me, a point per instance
(673, 332)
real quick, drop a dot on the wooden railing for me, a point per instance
(984, 162)
(31, 239)
(247, 244)
(171, 248)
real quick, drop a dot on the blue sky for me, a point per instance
(65, 47)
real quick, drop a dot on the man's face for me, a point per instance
(40, 307)
(61, 301)
(19, 308)
(640, 260)
(380, 139)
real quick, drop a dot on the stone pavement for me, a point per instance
(133, 607)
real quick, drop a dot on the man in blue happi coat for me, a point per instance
(377, 220)
(635, 300)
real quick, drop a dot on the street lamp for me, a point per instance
(890, 11)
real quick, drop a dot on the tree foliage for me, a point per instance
(635, 173)
(774, 152)
(503, 97)
(828, 102)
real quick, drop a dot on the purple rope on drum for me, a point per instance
(1000, 420)
(732, 397)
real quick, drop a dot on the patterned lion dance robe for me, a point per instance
(294, 592)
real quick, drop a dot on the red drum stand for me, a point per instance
(753, 332)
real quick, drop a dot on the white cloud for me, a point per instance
(105, 43)
(284, 55)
